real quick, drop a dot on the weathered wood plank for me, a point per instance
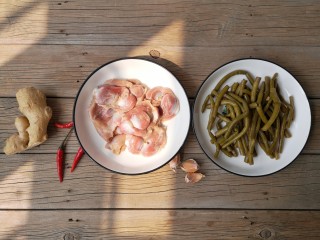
(62, 112)
(205, 23)
(30, 181)
(59, 70)
(160, 224)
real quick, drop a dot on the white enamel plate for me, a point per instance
(300, 127)
(152, 75)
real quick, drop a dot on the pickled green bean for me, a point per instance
(282, 129)
(227, 153)
(218, 148)
(232, 124)
(242, 87)
(273, 83)
(255, 88)
(261, 94)
(224, 118)
(276, 109)
(218, 101)
(246, 121)
(241, 148)
(287, 133)
(211, 115)
(253, 105)
(265, 142)
(234, 105)
(267, 88)
(262, 145)
(246, 91)
(231, 112)
(244, 144)
(276, 137)
(219, 124)
(262, 115)
(252, 137)
(213, 138)
(234, 87)
(229, 75)
(221, 131)
(250, 78)
(204, 105)
(291, 112)
(247, 98)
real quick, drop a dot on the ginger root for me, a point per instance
(32, 127)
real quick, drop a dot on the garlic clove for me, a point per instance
(175, 163)
(193, 177)
(190, 166)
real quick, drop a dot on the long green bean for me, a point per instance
(273, 83)
(233, 104)
(273, 147)
(265, 142)
(241, 148)
(282, 129)
(242, 87)
(252, 136)
(291, 112)
(211, 115)
(267, 88)
(276, 109)
(224, 118)
(262, 115)
(234, 87)
(253, 105)
(287, 133)
(246, 121)
(244, 144)
(250, 78)
(255, 88)
(204, 105)
(231, 112)
(246, 91)
(226, 152)
(217, 103)
(226, 77)
(261, 94)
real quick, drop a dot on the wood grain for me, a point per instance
(164, 224)
(30, 181)
(205, 23)
(59, 70)
(62, 112)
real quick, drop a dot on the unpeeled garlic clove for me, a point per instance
(175, 163)
(193, 177)
(190, 166)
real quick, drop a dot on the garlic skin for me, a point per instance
(193, 177)
(190, 166)
(175, 163)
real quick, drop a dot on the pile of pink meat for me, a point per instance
(129, 115)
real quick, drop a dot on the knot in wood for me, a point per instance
(71, 236)
(265, 233)
(154, 53)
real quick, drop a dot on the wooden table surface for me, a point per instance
(54, 45)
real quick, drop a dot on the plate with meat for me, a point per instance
(131, 116)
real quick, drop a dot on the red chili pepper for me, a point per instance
(64, 125)
(77, 158)
(59, 158)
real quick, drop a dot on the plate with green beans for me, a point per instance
(251, 117)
